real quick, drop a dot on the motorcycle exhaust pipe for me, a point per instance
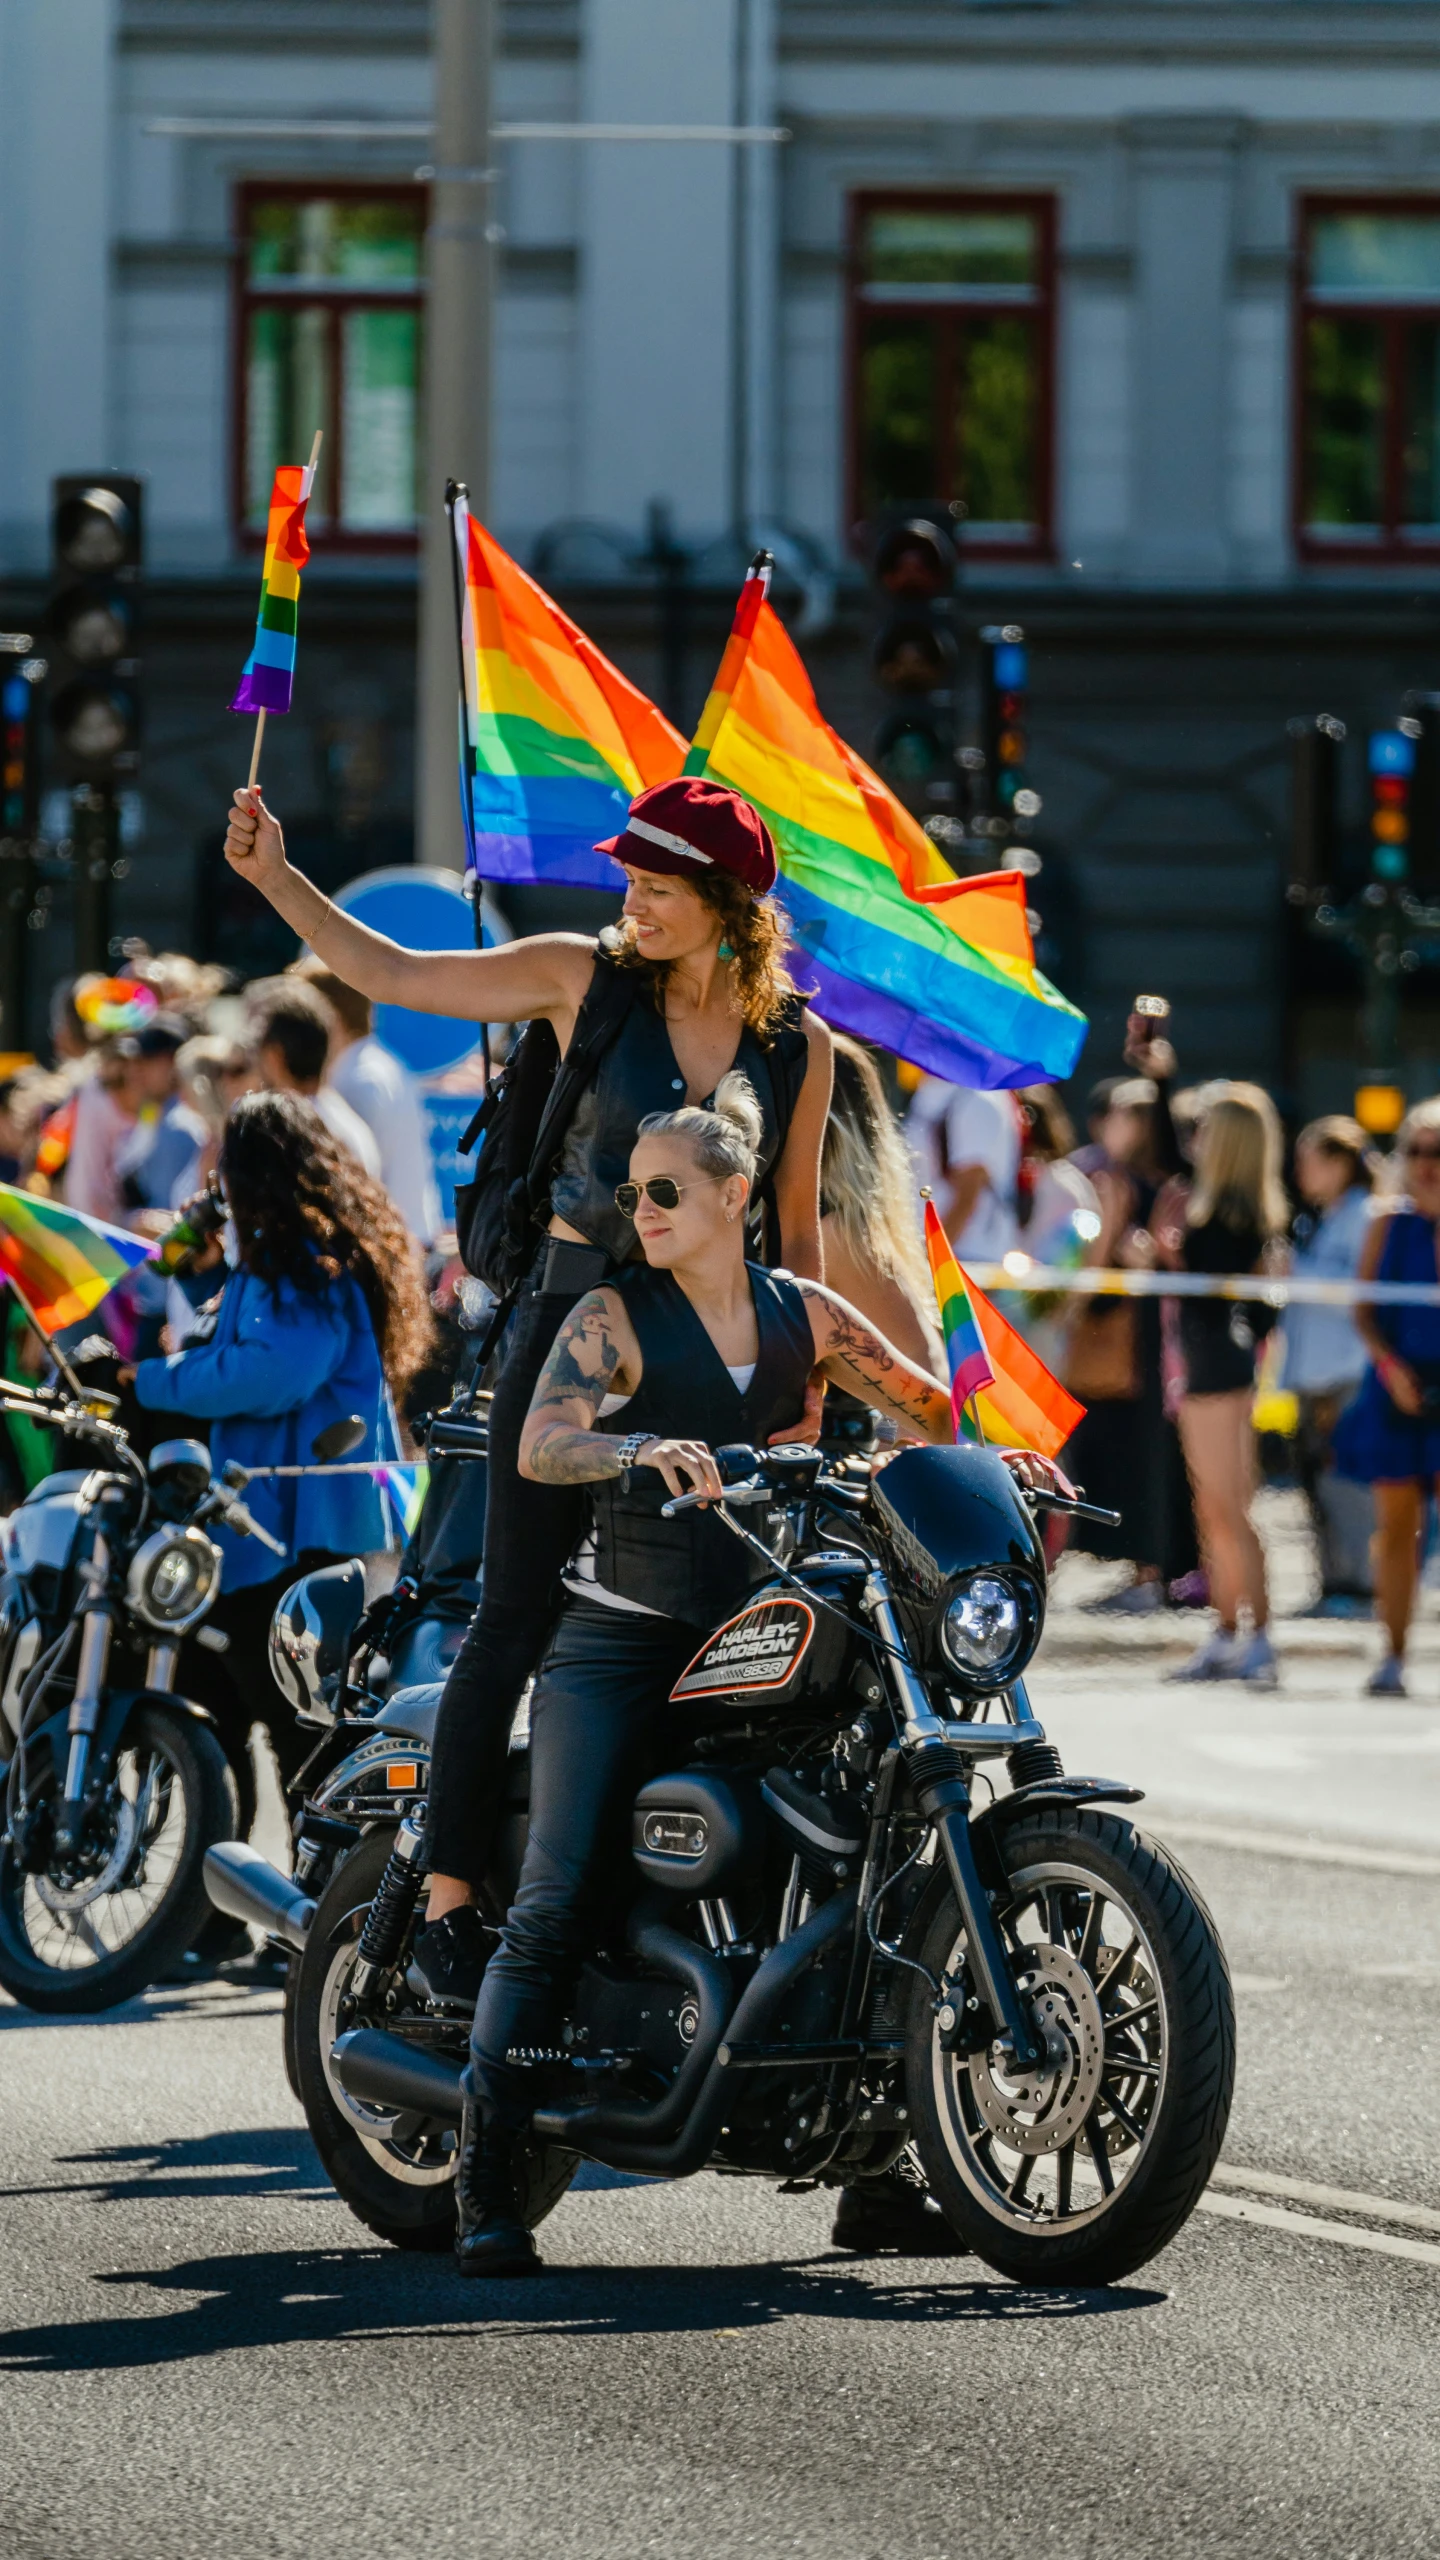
(381, 2070)
(245, 1885)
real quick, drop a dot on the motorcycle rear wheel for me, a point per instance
(68, 1948)
(1082, 2171)
(399, 2183)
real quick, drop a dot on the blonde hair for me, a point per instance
(1237, 1163)
(866, 1177)
(1343, 1141)
(724, 1136)
(200, 1065)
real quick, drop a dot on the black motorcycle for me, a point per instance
(115, 1783)
(826, 1953)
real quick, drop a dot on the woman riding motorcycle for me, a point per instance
(693, 1347)
(705, 950)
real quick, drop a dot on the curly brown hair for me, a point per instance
(758, 932)
(306, 1210)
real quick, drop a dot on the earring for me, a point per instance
(726, 952)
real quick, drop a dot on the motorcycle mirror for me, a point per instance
(337, 1440)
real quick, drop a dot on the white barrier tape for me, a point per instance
(1039, 1279)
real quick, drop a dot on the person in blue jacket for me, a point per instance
(324, 1313)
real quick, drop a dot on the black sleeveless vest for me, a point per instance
(639, 1075)
(694, 1567)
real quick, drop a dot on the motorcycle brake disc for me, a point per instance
(1043, 2110)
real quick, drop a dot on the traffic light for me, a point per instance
(22, 678)
(1391, 763)
(916, 660)
(1005, 689)
(97, 538)
(96, 547)
(1315, 805)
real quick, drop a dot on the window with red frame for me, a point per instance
(952, 302)
(1369, 376)
(330, 336)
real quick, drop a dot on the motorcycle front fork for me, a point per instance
(943, 1796)
(95, 1632)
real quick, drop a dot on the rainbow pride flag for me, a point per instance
(59, 1262)
(1017, 1402)
(269, 671)
(939, 970)
(556, 742)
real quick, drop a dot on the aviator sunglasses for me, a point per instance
(661, 1188)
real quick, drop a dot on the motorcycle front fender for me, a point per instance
(48, 1746)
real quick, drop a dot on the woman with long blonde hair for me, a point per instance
(1235, 1212)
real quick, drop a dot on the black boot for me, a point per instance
(451, 1955)
(490, 2237)
(893, 2216)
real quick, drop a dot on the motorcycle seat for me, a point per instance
(412, 1712)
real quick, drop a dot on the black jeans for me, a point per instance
(599, 1722)
(531, 1531)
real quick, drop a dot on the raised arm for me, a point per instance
(595, 1355)
(545, 973)
(856, 1355)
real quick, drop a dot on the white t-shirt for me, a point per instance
(376, 1085)
(950, 1126)
(348, 1127)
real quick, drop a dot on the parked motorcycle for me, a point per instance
(829, 1953)
(115, 1783)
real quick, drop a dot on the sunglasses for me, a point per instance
(661, 1188)
(1421, 1155)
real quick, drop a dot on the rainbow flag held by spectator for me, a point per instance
(555, 742)
(60, 1262)
(938, 969)
(1017, 1404)
(268, 675)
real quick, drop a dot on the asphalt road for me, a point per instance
(202, 2354)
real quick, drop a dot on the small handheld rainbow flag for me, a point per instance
(60, 1263)
(1017, 1402)
(268, 676)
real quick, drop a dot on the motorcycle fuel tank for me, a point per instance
(783, 1651)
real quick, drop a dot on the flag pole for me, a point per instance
(252, 784)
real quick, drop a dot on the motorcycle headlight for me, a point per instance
(173, 1578)
(988, 1629)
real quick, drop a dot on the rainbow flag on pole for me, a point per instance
(556, 742)
(59, 1262)
(269, 671)
(1017, 1402)
(939, 970)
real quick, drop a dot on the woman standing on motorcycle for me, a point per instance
(689, 1349)
(327, 1302)
(704, 948)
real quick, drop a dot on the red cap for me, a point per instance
(689, 825)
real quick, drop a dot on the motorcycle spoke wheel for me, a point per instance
(80, 1922)
(1050, 2148)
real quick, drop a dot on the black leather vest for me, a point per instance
(638, 1075)
(693, 1567)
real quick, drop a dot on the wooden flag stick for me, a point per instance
(253, 784)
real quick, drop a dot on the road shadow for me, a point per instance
(266, 2160)
(317, 2297)
(213, 1998)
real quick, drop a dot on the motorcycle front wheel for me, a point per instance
(1082, 2169)
(105, 1924)
(396, 2174)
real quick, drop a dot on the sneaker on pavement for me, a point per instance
(1387, 1680)
(1215, 1659)
(1255, 1663)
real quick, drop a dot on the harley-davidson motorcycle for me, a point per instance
(114, 1781)
(825, 1951)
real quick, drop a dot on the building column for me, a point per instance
(657, 400)
(1183, 188)
(56, 124)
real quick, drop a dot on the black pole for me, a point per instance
(94, 840)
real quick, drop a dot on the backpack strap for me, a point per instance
(602, 1017)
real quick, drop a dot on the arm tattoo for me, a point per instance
(562, 1446)
(559, 1454)
(863, 1360)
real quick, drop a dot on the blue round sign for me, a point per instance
(424, 911)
